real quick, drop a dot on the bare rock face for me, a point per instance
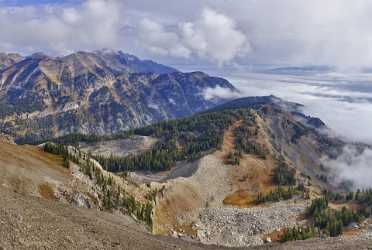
(81, 201)
(100, 92)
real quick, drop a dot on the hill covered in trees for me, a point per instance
(189, 138)
(178, 140)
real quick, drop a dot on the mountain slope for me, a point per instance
(286, 133)
(235, 192)
(7, 60)
(100, 92)
(235, 175)
(34, 218)
(25, 228)
(213, 177)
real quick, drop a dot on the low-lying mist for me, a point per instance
(343, 102)
(352, 167)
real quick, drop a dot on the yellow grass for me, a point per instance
(46, 192)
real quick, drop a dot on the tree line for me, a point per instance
(178, 140)
(112, 195)
(279, 194)
(323, 221)
(62, 150)
(246, 139)
(363, 198)
(283, 175)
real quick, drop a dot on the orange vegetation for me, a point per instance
(46, 192)
(252, 176)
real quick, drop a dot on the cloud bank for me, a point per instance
(61, 29)
(352, 167)
(323, 95)
(215, 36)
(96, 24)
(220, 92)
(333, 32)
(206, 37)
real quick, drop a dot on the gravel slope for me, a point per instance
(121, 147)
(364, 243)
(31, 223)
(246, 226)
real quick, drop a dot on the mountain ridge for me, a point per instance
(97, 92)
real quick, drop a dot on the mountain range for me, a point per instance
(95, 92)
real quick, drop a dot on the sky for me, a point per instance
(194, 32)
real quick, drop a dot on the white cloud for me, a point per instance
(353, 167)
(205, 38)
(333, 32)
(60, 29)
(215, 36)
(220, 92)
(159, 41)
(96, 24)
(349, 119)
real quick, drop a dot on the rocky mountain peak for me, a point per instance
(97, 92)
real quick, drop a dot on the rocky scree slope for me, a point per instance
(96, 93)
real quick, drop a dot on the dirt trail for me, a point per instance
(229, 138)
